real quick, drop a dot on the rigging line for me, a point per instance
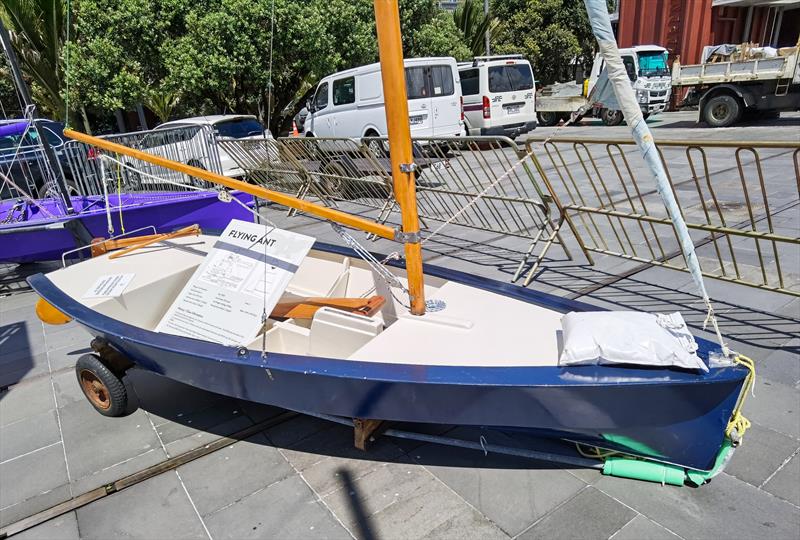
(575, 114)
(187, 187)
(66, 68)
(264, 315)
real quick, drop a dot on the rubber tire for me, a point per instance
(71, 188)
(548, 118)
(646, 115)
(118, 395)
(727, 103)
(196, 182)
(611, 118)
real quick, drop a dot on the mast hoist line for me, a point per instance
(356, 222)
(617, 76)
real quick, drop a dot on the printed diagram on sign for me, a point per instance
(228, 270)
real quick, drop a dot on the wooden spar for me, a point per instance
(390, 46)
(281, 198)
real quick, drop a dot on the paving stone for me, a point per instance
(600, 516)
(31, 475)
(28, 435)
(258, 412)
(782, 365)
(286, 509)
(166, 399)
(327, 449)
(26, 399)
(725, 506)
(227, 475)
(94, 442)
(512, 492)
(286, 434)
(63, 360)
(465, 525)
(113, 473)
(786, 483)
(63, 527)
(761, 453)
(189, 424)
(640, 528)
(68, 338)
(37, 503)
(19, 367)
(10, 302)
(775, 406)
(67, 389)
(155, 508)
(201, 438)
(21, 339)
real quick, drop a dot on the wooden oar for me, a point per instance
(191, 230)
(305, 308)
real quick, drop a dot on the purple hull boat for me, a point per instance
(40, 231)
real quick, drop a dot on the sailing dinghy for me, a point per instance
(333, 331)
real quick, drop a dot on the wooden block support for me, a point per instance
(363, 429)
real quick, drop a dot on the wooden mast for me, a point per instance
(390, 45)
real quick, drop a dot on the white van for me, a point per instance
(350, 103)
(498, 95)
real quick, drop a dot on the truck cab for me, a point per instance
(650, 78)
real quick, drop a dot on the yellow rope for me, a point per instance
(595, 452)
(738, 422)
(119, 196)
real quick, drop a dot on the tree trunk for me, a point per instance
(86, 127)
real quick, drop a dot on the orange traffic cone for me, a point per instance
(295, 133)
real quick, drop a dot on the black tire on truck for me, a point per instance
(548, 118)
(611, 118)
(722, 110)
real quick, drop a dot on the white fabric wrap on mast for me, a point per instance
(601, 27)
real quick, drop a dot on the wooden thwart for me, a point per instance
(305, 308)
(191, 230)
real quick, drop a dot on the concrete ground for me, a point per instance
(302, 478)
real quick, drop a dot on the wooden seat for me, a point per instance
(305, 308)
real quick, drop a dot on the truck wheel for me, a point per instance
(646, 115)
(611, 118)
(104, 390)
(722, 111)
(548, 118)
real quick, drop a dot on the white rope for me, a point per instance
(575, 114)
(109, 224)
(264, 315)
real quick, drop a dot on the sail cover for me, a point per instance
(617, 76)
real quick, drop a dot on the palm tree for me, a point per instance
(162, 102)
(38, 34)
(474, 24)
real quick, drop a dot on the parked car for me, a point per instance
(27, 164)
(498, 95)
(350, 103)
(183, 140)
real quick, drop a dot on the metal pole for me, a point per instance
(387, 19)
(486, 35)
(22, 88)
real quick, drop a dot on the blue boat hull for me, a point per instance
(669, 415)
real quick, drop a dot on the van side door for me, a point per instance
(345, 115)
(445, 101)
(320, 118)
(420, 115)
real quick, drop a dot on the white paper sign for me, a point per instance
(109, 286)
(243, 275)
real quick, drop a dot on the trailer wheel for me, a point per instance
(548, 118)
(104, 390)
(722, 110)
(611, 118)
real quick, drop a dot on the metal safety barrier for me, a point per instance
(193, 145)
(481, 183)
(739, 200)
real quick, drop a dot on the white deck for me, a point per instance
(477, 328)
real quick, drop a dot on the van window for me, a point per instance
(470, 82)
(239, 128)
(442, 80)
(321, 97)
(510, 78)
(344, 91)
(415, 83)
(630, 67)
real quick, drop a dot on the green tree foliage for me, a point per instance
(215, 54)
(550, 33)
(474, 24)
(38, 33)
